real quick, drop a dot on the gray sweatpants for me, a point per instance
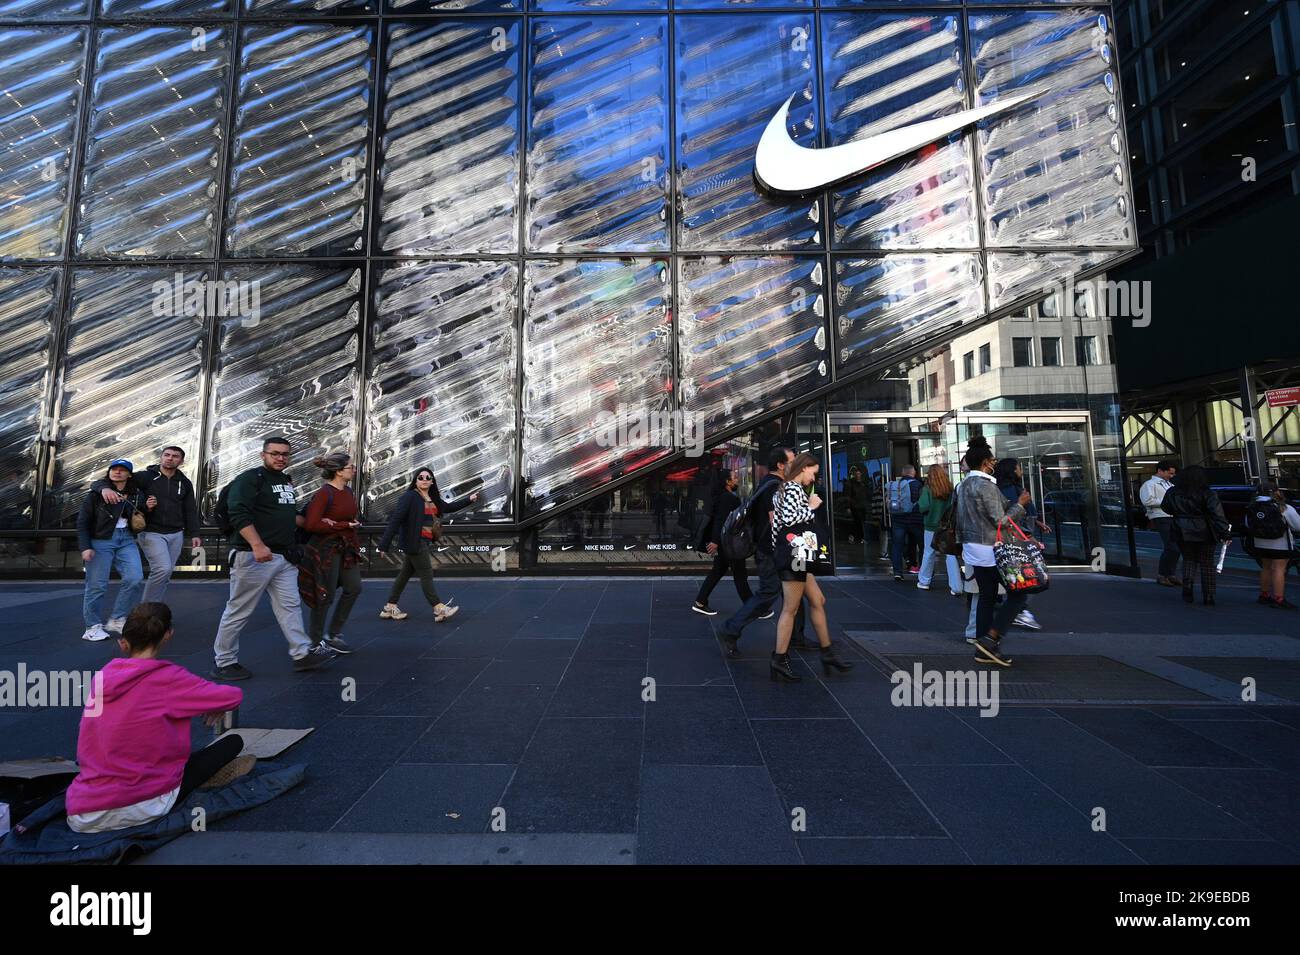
(161, 551)
(248, 580)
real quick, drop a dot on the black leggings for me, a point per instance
(719, 570)
(990, 615)
(204, 763)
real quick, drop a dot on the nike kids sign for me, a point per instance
(783, 166)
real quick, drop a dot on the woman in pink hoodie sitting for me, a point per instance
(134, 744)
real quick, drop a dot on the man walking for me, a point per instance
(759, 606)
(175, 517)
(262, 509)
(724, 502)
(1151, 495)
(907, 522)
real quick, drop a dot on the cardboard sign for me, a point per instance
(266, 744)
(35, 768)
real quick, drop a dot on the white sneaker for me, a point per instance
(115, 624)
(95, 633)
(921, 586)
(1027, 620)
(392, 612)
(446, 613)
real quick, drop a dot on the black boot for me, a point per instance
(832, 659)
(782, 670)
(731, 642)
(1188, 595)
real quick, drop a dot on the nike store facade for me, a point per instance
(524, 243)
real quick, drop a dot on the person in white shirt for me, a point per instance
(1151, 494)
(1270, 510)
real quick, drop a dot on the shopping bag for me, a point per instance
(1020, 563)
(803, 547)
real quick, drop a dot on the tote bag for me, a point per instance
(1020, 563)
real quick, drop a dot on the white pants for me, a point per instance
(927, 566)
(248, 579)
(161, 551)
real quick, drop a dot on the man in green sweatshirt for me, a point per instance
(263, 507)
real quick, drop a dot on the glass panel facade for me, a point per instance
(444, 233)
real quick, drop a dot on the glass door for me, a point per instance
(867, 451)
(1055, 465)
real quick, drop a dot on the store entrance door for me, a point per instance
(1055, 457)
(866, 451)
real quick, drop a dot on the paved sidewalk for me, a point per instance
(530, 701)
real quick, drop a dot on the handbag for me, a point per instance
(803, 543)
(1020, 563)
(945, 538)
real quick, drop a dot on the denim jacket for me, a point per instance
(981, 508)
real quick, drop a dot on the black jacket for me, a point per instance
(97, 520)
(178, 508)
(759, 510)
(407, 518)
(1197, 518)
(724, 502)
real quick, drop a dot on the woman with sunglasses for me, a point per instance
(412, 525)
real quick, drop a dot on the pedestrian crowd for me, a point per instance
(304, 551)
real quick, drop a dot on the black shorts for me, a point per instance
(1268, 553)
(792, 575)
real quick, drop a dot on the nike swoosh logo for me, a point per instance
(783, 166)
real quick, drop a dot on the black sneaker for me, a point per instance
(731, 642)
(704, 609)
(988, 650)
(337, 644)
(231, 671)
(317, 657)
(768, 616)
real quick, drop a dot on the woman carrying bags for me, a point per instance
(935, 504)
(416, 523)
(106, 535)
(332, 556)
(796, 548)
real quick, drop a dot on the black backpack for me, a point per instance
(736, 539)
(221, 514)
(1264, 520)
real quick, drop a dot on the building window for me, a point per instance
(1110, 349)
(1051, 351)
(1022, 352)
(968, 365)
(1050, 307)
(934, 384)
(1085, 350)
(986, 358)
(920, 390)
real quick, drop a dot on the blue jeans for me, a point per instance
(119, 552)
(903, 533)
(769, 592)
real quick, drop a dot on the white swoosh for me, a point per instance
(782, 165)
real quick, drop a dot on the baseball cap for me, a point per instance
(122, 463)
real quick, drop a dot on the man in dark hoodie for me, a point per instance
(175, 516)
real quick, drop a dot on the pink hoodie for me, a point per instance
(137, 747)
